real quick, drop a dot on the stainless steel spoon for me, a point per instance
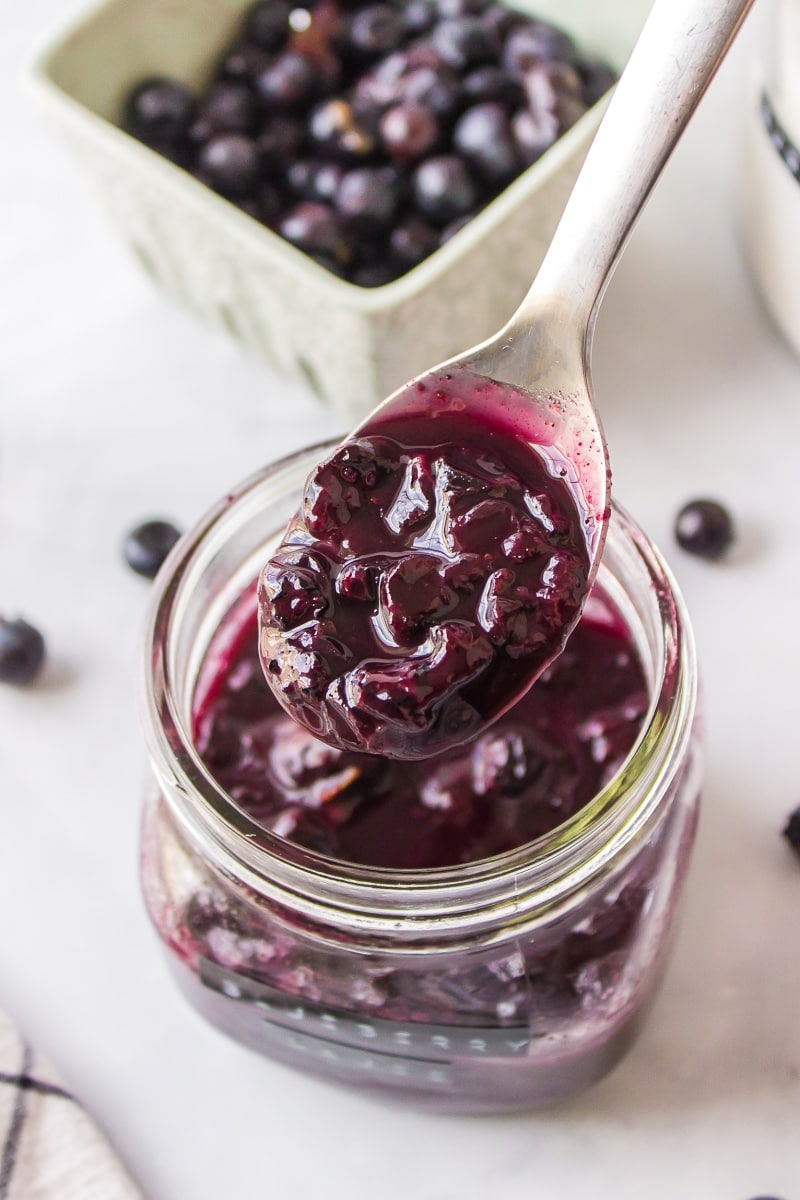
(545, 349)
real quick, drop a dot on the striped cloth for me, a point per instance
(49, 1147)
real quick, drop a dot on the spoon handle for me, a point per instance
(674, 60)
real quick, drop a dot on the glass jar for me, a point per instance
(506, 983)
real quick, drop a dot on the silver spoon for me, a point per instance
(545, 349)
(532, 380)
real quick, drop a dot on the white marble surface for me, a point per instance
(115, 406)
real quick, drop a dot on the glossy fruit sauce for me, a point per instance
(434, 568)
(531, 770)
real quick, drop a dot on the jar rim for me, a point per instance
(543, 870)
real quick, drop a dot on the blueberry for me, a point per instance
(375, 274)
(317, 229)
(309, 179)
(244, 61)
(412, 240)
(375, 30)
(464, 42)
(369, 197)
(792, 831)
(454, 227)
(409, 131)
(533, 133)
(555, 89)
(704, 528)
(147, 545)
(22, 652)
(462, 8)
(229, 107)
(493, 83)
(443, 189)
(231, 162)
(267, 24)
(289, 82)
(482, 134)
(159, 110)
(597, 77)
(419, 15)
(535, 43)
(334, 127)
(280, 139)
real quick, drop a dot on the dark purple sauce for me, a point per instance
(435, 567)
(534, 768)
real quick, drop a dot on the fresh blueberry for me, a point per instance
(335, 128)
(267, 24)
(159, 111)
(538, 42)
(482, 135)
(280, 139)
(243, 61)
(533, 134)
(704, 528)
(412, 240)
(409, 131)
(289, 82)
(310, 179)
(493, 83)
(464, 42)
(792, 831)
(231, 162)
(597, 77)
(147, 545)
(228, 107)
(369, 197)
(419, 15)
(373, 275)
(444, 189)
(22, 652)
(317, 229)
(375, 30)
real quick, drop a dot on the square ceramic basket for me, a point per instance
(352, 345)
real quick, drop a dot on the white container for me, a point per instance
(772, 171)
(352, 345)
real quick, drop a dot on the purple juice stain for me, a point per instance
(437, 564)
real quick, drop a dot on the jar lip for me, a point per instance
(588, 838)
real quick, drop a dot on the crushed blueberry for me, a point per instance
(22, 652)
(434, 569)
(147, 545)
(791, 831)
(444, 101)
(705, 528)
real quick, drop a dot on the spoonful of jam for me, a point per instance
(443, 553)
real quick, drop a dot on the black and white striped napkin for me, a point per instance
(49, 1146)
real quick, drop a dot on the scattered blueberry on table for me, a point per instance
(367, 134)
(705, 528)
(22, 652)
(148, 544)
(791, 831)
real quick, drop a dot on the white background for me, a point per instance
(115, 406)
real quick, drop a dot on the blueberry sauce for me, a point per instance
(435, 567)
(539, 764)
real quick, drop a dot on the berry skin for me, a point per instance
(159, 111)
(483, 136)
(792, 831)
(443, 189)
(231, 162)
(409, 131)
(267, 24)
(22, 652)
(704, 528)
(147, 545)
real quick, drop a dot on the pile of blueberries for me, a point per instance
(368, 134)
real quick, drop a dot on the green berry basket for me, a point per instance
(352, 345)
